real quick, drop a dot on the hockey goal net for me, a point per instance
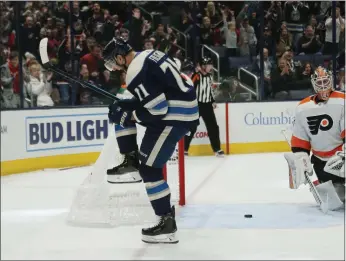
(98, 203)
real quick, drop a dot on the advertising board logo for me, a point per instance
(261, 118)
(65, 131)
(201, 134)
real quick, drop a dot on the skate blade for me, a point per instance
(122, 179)
(124, 182)
(161, 239)
(133, 177)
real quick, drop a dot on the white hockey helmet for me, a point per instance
(322, 81)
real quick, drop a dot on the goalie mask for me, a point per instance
(322, 81)
(115, 48)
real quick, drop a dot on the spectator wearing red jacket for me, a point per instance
(53, 45)
(92, 59)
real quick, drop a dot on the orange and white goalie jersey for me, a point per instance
(320, 127)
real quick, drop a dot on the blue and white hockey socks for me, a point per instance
(157, 189)
(127, 138)
(160, 196)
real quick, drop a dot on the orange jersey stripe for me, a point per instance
(334, 94)
(337, 95)
(307, 99)
(299, 143)
(342, 134)
(195, 78)
(325, 154)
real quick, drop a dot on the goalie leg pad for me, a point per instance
(157, 189)
(329, 195)
(340, 190)
(298, 164)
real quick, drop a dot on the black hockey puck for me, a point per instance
(248, 216)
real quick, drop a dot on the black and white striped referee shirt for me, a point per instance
(204, 85)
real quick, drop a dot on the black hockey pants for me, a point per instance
(323, 176)
(206, 111)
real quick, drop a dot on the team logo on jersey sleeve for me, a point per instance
(320, 122)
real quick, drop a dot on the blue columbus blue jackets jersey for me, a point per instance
(167, 97)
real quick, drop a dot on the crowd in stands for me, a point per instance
(297, 37)
(294, 34)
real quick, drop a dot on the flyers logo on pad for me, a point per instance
(320, 122)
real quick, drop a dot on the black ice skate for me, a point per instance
(127, 171)
(163, 232)
(220, 153)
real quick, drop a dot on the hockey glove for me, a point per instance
(128, 104)
(118, 116)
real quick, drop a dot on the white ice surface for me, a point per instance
(286, 224)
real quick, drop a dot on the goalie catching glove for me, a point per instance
(336, 164)
(298, 163)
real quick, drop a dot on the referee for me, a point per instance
(203, 83)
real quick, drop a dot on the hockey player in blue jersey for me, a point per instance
(165, 103)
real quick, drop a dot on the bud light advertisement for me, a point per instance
(60, 132)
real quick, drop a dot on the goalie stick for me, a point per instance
(323, 205)
(46, 63)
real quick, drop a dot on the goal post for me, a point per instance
(180, 168)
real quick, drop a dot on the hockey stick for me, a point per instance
(46, 63)
(323, 205)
